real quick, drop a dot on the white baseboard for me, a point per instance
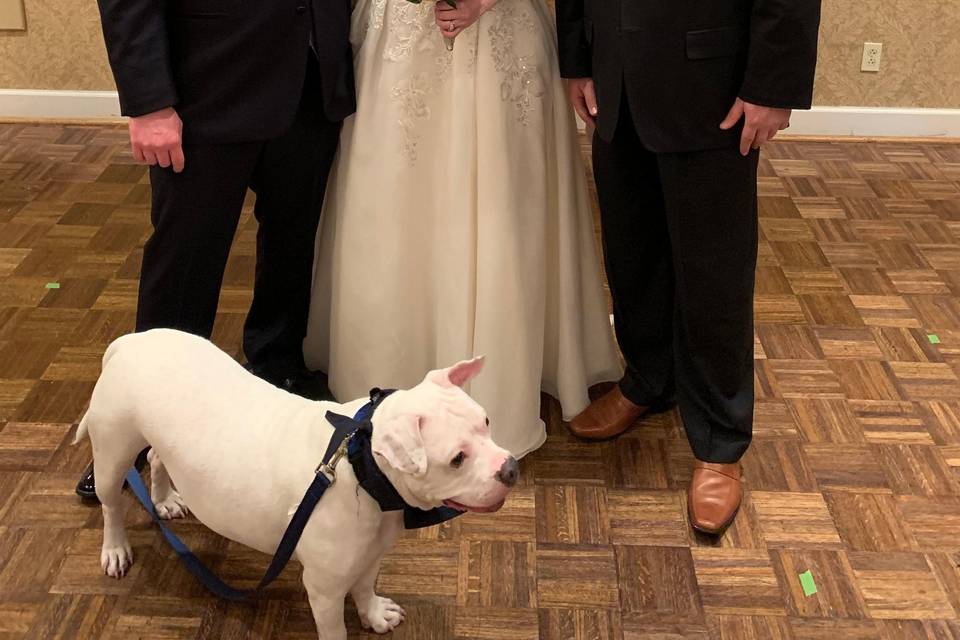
(66, 105)
(877, 122)
(819, 121)
(872, 122)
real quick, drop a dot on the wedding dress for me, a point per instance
(457, 221)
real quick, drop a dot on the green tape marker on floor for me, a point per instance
(933, 338)
(53, 285)
(806, 581)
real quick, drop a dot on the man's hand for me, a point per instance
(760, 126)
(156, 139)
(583, 97)
(451, 21)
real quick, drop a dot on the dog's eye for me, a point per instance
(488, 422)
(458, 460)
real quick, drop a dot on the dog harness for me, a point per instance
(351, 438)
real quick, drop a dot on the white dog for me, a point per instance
(241, 454)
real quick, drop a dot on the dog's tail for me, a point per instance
(83, 429)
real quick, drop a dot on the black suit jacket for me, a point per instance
(682, 63)
(233, 69)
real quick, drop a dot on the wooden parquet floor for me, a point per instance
(854, 474)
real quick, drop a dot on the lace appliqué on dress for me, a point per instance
(407, 29)
(377, 9)
(411, 97)
(412, 31)
(521, 77)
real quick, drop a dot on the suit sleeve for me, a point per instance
(575, 56)
(135, 32)
(782, 57)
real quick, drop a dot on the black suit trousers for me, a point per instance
(195, 215)
(680, 244)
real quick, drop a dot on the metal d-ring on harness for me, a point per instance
(351, 437)
(330, 468)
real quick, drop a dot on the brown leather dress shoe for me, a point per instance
(607, 417)
(714, 497)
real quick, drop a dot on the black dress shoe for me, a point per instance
(87, 488)
(311, 385)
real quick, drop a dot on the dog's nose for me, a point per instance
(509, 472)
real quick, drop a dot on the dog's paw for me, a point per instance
(172, 507)
(383, 615)
(116, 560)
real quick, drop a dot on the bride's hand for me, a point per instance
(452, 21)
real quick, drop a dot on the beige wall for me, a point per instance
(921, 53)
(63, 49)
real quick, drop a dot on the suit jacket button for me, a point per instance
(302, 9)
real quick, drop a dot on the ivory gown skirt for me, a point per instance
(457, 221)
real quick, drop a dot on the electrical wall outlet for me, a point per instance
(871, 56)
(12, 15)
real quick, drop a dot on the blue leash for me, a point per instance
(290, 537)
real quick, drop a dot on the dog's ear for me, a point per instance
(399, 442)
(459, 374)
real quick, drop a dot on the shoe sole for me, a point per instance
(714, 532)
(92, 496)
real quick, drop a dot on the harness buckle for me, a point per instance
(329, 468)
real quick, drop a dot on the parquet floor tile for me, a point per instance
(854, 474)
